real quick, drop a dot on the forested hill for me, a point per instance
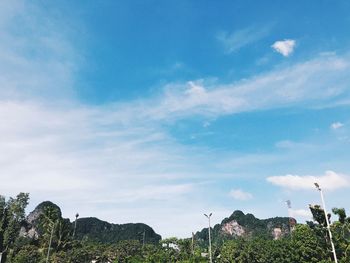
(93, 229)
(88, 229)
(247, 226)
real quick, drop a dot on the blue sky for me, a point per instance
(160, 111)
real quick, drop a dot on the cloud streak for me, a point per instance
(236, 40)
(119, 157)
(37, 57)
(239, 194)
(337, 125)
(330, 181)
(300, 213)
(319, 82)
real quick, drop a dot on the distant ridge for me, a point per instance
(89, 228)
(240, 225)
(94, 229)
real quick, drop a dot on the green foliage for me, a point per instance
(340, 230)
(27, 254)
(341, 214)
(309, 245)
(257, 250)
(12, 214)
(55, 229)
(95, 230)
(306, 244)
(341, 234)
(318, 215)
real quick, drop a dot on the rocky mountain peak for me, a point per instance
(41, 209)
(240, 225)
(233, 228)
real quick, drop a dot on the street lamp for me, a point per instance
(327, 221)
(289, 205)
(210, 258)
(75, 223)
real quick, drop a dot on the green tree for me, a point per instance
(318, 215)
(341, 234)
(12, 214)
(341, 215)
(308, 245)
(54, 229)
(27, 254)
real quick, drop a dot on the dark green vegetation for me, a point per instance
(93, 229)
(239, 238)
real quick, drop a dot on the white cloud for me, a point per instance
(91, 158)
(336, 125)
(144, 193)
(330, 181)
(238, 39)
(300, 213)
(285, 47)
(37, 58)
(240, 194)
(315, 83)
(84, 158)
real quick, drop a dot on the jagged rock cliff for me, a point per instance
(246, 226)
(90, 229)
(31, 227)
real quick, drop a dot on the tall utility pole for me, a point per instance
(210, 258)
(289, 205)
(327, 221)
(75, 223)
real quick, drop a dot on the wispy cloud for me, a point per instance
(284, 47)
(337, 125)
(330, 181)
(86, 158)
(321, 81)
(59, 149)
(239, 194)
(206, 124)
(238, 39)
(287, 144)
(300, 213)
(146, 193)
(37, 58)
(120, 155)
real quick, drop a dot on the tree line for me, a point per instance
(54, 242)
